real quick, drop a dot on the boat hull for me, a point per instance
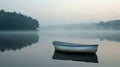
(75, 48)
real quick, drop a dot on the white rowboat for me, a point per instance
(74, 48)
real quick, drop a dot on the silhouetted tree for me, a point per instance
(17, 21)
(2, 11)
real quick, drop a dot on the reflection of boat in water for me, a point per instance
(75, 48)
(75, 57)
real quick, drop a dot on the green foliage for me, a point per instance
(17, 21)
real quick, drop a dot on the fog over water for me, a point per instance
(72, 21)
(36, 49)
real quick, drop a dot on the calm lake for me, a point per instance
(35, 49)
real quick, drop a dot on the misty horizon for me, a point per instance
(54, 12)
(60, 33)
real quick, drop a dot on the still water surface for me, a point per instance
(35, 49)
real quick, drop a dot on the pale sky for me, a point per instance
(50, 12)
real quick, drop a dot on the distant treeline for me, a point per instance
(113, 25)
(109, 25)
(17, 21)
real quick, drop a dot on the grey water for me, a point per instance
(35, 49)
